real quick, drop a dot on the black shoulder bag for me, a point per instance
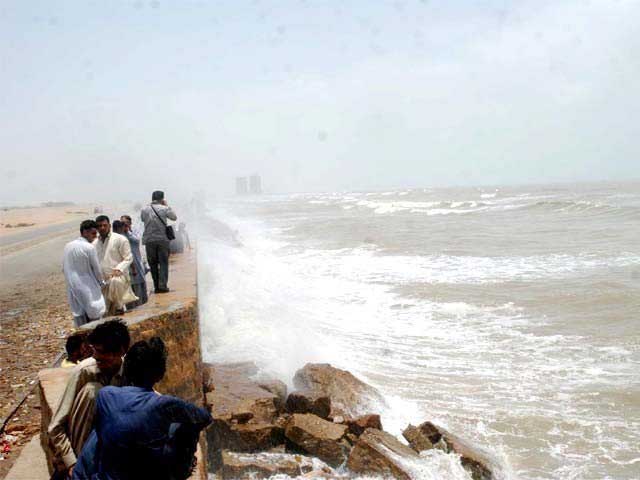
(168, 229)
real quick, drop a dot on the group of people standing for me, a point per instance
(104, 268)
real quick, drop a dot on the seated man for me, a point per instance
(138, 432)
(114, 254)
(78, 348)
(72, 420)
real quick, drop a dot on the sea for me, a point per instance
(508, 315)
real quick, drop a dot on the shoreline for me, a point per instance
(330, 420)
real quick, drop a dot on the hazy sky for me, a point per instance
(113, 98)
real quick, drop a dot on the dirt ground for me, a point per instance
(34, 322)
(17, 220)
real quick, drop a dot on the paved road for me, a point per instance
(29, 235)
(19, 268)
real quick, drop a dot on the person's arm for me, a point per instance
(171, 214)
(179, 411)
(95, 265)
(57, 429)
(124, 249)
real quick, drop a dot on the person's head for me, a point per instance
(77, 347)
(118, 226)
(110, 341)
(104, 225)
(145, 363)
(89, 230)
(126, 219)
(157, 196)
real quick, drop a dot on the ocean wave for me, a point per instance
(488, 203)
(569, 206)
(496, 371)
(436, 207)
(368, 264)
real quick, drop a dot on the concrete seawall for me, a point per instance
(174, 318)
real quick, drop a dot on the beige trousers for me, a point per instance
(82, 414)
(117, 293)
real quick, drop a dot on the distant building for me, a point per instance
(255, 184)
(249, 185)
(241, 186)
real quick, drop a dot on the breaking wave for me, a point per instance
(468, 341)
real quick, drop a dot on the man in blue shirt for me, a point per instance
(139, 433)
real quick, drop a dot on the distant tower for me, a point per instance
(241, 186)
(255, 184)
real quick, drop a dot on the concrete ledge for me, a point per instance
(173, 316)
(31, 464)
(51, 385)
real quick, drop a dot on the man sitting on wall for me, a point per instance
(114, 254)
(78, 348)
(139, 433)
(73, 419)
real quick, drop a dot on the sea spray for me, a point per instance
(511, 326)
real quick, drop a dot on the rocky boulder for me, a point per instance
(233, 395)
(380, 453)
(350, 397)
(318, 437)
(240, 466)
(243, 412)
(237, 369)
(424, 437)
(250, 437)
(276, 387)
(309, 401)
(473, 460)
(358, 425)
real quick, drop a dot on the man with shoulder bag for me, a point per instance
(156, 237)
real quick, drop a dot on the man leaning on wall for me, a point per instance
(72, 420)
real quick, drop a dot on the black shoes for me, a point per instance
(161, 290)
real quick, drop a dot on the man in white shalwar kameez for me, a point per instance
(83, 276)
(114, 254)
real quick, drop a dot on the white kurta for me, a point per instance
(114, 253)
(84, 278)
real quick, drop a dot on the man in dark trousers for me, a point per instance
(155, 240)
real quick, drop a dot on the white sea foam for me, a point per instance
(444, 208)
(489, 195)
(366, 264)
